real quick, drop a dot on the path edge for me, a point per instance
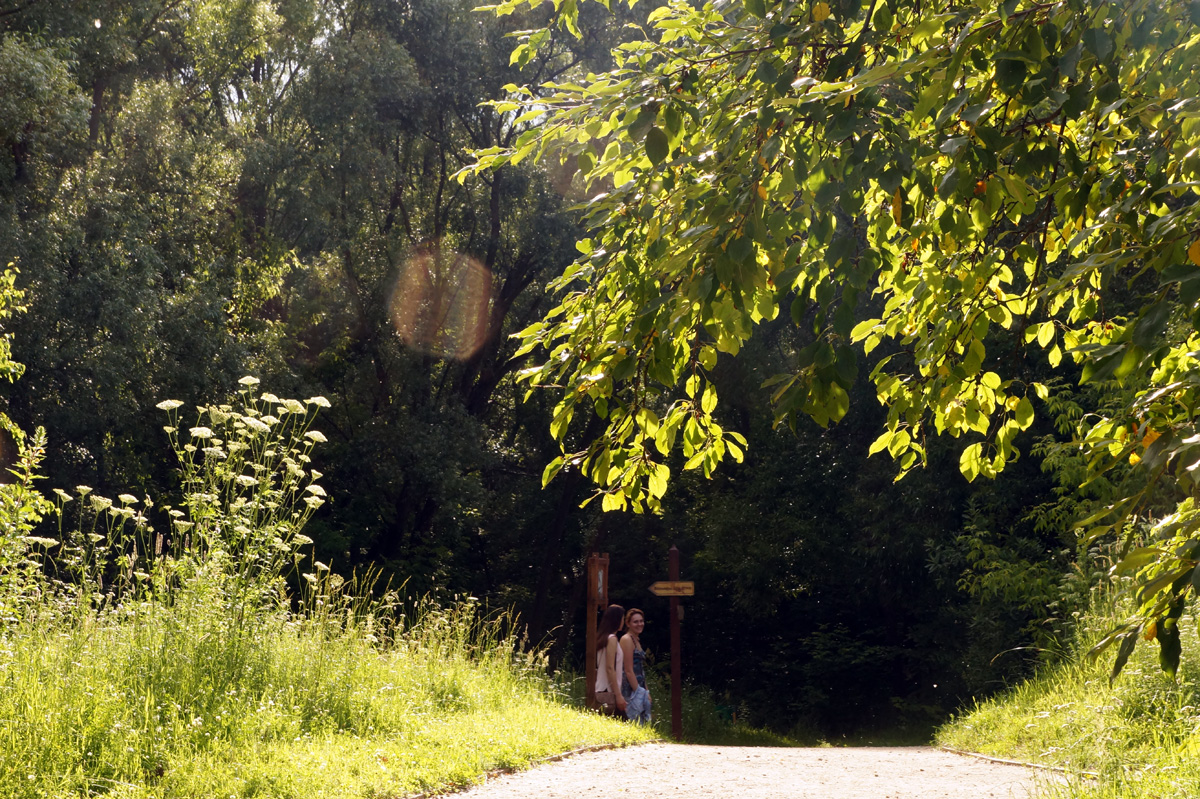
(447, 790)
(1039, 766)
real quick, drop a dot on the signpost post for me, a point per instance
(597, 597)
(674, 588)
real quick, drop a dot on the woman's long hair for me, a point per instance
(611, 622)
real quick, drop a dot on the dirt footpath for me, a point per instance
(726, 772)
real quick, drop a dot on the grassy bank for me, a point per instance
(1140, 736)
(180, 701)
(144, 663)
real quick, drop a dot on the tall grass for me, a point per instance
(137, 665)
(1139, 736)
(158, 701)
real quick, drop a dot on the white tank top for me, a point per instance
(602, 671)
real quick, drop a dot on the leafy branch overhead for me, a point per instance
(913, 183)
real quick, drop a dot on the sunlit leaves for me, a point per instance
(968, 173)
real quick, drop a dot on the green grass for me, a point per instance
(1140, 736)
(189, 700)
(135, 667)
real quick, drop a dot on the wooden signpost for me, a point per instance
(597, 598)
(675, 588)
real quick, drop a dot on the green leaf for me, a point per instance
(560, 422)
(647, 421)
(585, 162)
(864, 329)
(1170, 646)
(1128, 642)
(899, 443)
(1102, 368)
(971, 461)
(1150, 327)
(657, 145)
(551, 470)
(766, 72)
(1098, 42)
(1024, 413)
(839, 402)
(1045, 334)
(740, 249)
(657, 481)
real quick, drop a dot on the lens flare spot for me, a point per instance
(441, 303)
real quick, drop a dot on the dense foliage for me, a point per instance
(196, 190)
(944, 184)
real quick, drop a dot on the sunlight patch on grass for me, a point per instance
(442, 753)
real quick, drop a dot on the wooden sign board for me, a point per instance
(597, 600)
(673, 588)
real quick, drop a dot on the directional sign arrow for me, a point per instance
(673, 588)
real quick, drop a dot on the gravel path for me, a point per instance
(726, 772)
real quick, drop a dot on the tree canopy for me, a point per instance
(960, 196)
(195, 191)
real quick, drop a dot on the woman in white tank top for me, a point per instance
(609, 674)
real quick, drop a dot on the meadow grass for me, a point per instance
(1139, 736)
(138, 665)
(186, 700)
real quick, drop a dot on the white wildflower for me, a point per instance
(256, 425)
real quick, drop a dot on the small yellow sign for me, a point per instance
(673, 588)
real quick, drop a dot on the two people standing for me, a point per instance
(621, 664)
